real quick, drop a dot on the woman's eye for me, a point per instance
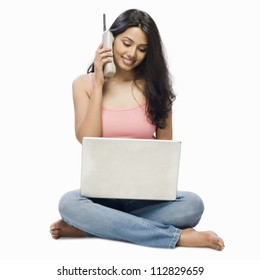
(127, 44)
(142, 49)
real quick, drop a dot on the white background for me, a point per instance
(213, 53)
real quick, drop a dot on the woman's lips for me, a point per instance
(128, 62)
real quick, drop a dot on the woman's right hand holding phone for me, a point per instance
(103, 56)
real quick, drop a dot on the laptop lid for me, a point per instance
(130, 168)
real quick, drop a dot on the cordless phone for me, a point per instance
(108, 39)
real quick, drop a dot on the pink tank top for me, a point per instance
(127, 123)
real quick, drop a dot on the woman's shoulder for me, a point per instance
(83, 83)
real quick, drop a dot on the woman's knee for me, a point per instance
(194, 209)
(68, 202)
(196, 203)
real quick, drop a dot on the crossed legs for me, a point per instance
(157, 224)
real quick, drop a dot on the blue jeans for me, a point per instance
(143, 222)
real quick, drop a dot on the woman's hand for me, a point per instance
(103, 56)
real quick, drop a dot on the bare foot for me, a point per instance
(192, 238)
(62, 229)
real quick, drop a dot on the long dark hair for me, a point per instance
(153, 70)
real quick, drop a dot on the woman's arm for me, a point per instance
(87, 97)
(87, 107)
(165, 133)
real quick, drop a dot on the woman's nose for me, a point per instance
(131, 53)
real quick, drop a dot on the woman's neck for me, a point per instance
(122, 76)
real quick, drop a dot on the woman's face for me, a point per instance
(130, 48)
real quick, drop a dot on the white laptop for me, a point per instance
(130, 168)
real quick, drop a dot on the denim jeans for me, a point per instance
(143, 222)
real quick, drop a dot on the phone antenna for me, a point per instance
(104, 22)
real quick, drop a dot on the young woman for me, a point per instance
(135, 103)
